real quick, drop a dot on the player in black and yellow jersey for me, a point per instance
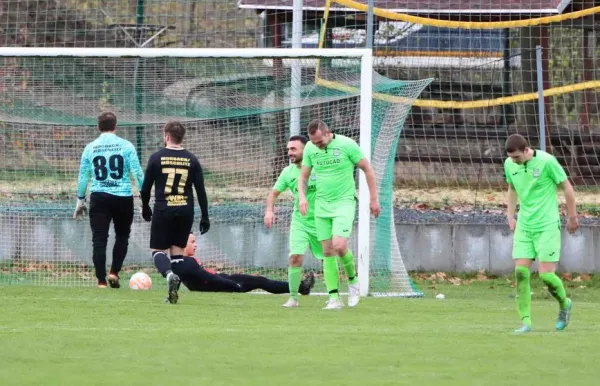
(173, 171)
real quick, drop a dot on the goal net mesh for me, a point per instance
(236, 112)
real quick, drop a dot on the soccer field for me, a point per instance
(59, 336)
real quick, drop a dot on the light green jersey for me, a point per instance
(333, 168)
(536, 183)
(288, 179)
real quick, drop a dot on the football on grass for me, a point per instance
(140, 281)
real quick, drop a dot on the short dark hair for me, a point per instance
(516, 142)
(316, 124)
(300, 138)
(175, 130)
(107, 121)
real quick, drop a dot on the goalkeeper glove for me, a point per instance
(80, 209)
(204, 225)
(146, 212)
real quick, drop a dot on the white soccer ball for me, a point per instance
(440, 296)
(140, 281)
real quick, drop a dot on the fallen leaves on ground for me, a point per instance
(443, 277)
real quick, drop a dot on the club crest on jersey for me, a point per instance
(336, 153)
(536, 173)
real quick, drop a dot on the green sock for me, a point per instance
(294, 279)
(349, 267)
(522, 276)
(555, 287)
(332, 276)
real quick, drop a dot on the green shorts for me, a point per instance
(336, 223)
(543, 245)
(303, 236)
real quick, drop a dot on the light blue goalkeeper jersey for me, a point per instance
(108, 161)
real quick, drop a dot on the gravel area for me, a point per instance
(253, 213)
(411, 216)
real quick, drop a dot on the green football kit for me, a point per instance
(537, 234)
(303, 232)
(333, 167)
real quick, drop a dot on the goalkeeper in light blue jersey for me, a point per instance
(108, 162)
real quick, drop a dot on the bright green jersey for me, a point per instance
(333, 168)
(288, 179)
(536, 183)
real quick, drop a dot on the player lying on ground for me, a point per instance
(173, 171)
(108, 162)
(533, 177)
(197, 278)
(303, 233)
(333, 157)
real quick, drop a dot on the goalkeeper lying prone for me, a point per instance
(197, 278)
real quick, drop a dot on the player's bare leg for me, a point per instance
(340, 245)
(294, 279)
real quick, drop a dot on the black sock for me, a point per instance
(174, 260)
(162, 262)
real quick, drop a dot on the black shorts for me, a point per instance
(170, 228)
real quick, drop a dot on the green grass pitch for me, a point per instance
(88, 336)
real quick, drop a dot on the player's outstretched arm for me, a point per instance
(366, 167)
(202, 199)
(511, 205)
(270, 207)
(85, 173)
(302, 188)
(145, 190)
(573, 220)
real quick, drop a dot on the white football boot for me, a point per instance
(291, 303)
(353, 294)
(334, 304)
